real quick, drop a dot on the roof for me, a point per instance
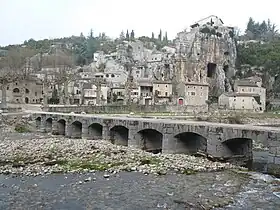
(161, 82)
(196, 84)
(254, 78)
(234, 94)
(246, 83)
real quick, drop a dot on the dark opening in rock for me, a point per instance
(211, 69)
(226, 53)
(225, 68)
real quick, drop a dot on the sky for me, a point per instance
(40, 19)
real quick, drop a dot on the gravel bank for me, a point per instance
(35, 154)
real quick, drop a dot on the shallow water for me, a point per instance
(132, 190)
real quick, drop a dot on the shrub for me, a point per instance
(21, 128)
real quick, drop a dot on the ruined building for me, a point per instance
(206, 54)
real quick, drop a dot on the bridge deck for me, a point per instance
(168, 121)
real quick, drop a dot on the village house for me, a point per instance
(146, 91)
(162, 92)
(91, 96)
(29, 91)
(196, 94)
(118, 94)
(248, 95)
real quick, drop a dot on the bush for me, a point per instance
(235, 119)
(21, 128)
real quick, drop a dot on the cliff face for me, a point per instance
(207, 54)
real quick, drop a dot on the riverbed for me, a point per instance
(154, 181)
(134, 190)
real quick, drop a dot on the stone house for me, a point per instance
(196, 94)
(254, 88)
(162, 92)
(90, 94)
(240, 101)
(29, 91)
(145, 87)
(118, 94)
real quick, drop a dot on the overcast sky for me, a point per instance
(39, 19)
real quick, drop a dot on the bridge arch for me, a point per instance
(239, 151)
(75, 130)
(49, 124)
(95, 131)
(38, 122)
(150, 140)
(190, 143)
(119, 135)
(61, 125)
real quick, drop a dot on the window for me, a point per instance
(112, 75)
(234, 99)
(243, 100)
(200, 87)
(193, 93)
(16, 90)
(158, 85)
(35, 93)
(165, 85)
(242, 107)
(26, 91)
(16, 83)
(7, 87)
(107, 75)
(166, 93)
(242, 90)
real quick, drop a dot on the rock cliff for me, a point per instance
(207, 53)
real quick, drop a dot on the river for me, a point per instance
(133, 190)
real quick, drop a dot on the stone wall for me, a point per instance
(119, 109)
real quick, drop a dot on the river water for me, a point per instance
(133, 190)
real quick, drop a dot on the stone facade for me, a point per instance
(169, 136)
(248, 95)
(196, 94)
(28, 91)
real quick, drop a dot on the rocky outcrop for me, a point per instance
(207, 54)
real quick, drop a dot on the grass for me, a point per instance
(79, 164)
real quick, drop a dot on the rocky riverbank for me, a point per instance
(36, 154)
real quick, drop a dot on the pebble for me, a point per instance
(36, 152)
(106, 176)
(87, 179)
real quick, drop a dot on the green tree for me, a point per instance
(122, 37)
(127, 36)
(160, 35)
(132, 35)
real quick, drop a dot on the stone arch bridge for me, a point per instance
(165, 135)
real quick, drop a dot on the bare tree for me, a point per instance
(14, 67)
(129, 83)
(60, 75)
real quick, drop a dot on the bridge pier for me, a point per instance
(85, 134)
(68, 130)
(55, 127)
(214, 144)
(106, 133)
(132, 141)
(43, 124)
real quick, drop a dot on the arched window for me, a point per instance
(26, 91)
(16, 90)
